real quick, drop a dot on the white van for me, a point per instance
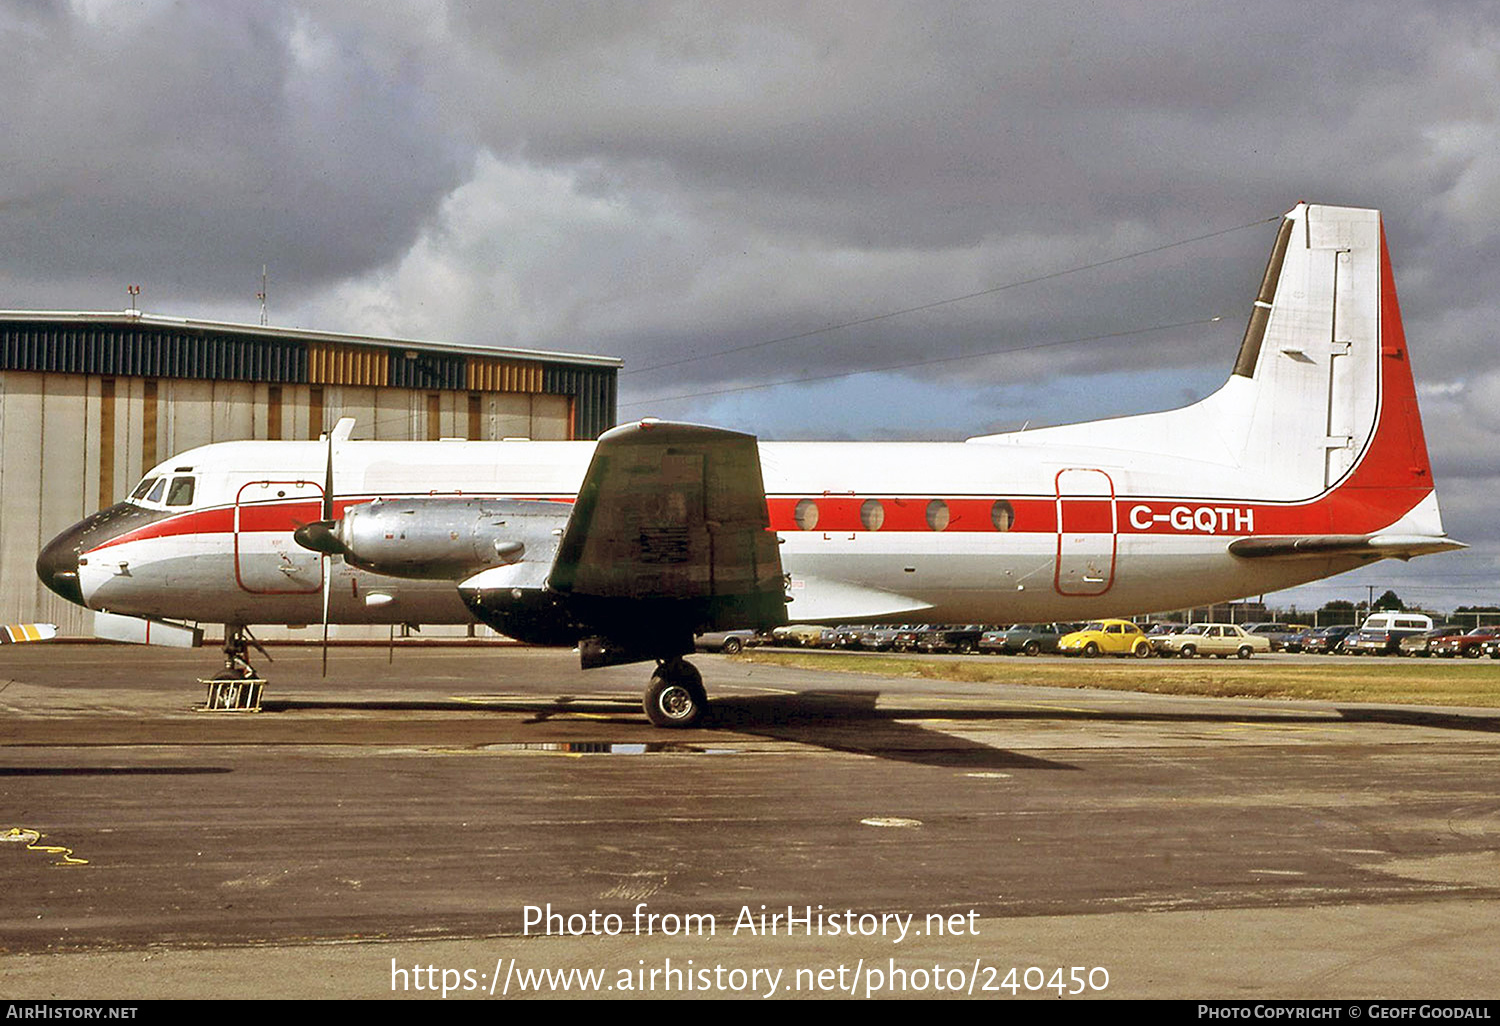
(1381, 633)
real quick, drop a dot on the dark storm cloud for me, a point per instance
(930, 150)
(782, 168)
(936, 124)
(184, 144)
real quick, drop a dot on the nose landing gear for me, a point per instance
(236, 688)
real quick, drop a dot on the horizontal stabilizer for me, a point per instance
(1373, 546)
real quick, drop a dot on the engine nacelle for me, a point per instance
(531, 614)
(445, 538)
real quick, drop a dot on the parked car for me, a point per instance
(848, 635)
(728, 642)
(1216, 639)
(1280, 635)
(906, 638)
(1470, 644)
(1327, 640)
(1027, 638)
(953, 637)
(882, 637)
(1298, 641)
(1106, 637)
(1381, 633)
(1421, 644)
(803, 635)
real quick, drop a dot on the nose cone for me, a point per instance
(57, 566)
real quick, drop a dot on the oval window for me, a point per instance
(806, 514)
(937, 515)
(1002, 515)
(872, 514)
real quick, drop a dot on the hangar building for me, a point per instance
(90, 401)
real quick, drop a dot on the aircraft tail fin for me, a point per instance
(1321, 398)
(1322, 386)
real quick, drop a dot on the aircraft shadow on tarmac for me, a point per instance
(842, 721)
(850, 721)
(110, 771)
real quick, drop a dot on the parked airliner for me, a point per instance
(1309, 461)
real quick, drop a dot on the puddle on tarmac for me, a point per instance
(608, 748)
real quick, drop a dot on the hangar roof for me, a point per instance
(135, 318)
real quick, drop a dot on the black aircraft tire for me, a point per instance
(675, 698)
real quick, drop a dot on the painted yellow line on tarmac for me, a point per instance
(30, 838)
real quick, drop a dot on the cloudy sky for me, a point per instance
(733, 195)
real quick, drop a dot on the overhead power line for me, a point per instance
(922, 363)
(946, 302)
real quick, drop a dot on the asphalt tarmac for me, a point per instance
(456, 820)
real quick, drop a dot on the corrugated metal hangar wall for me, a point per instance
(89, 402)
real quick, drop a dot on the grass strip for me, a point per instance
(1410, 681)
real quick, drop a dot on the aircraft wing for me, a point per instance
(670, 536)
(1375, 546)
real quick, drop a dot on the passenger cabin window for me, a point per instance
(937, 515)
(181, 493)
(806, 514)
(1002, 515)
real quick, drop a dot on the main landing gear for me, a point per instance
(676, 696)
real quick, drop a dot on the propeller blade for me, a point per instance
(328, 482)
(323, 535)
(327, 588)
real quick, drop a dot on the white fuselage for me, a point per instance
(1134, 538)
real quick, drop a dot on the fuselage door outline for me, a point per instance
(1088, 532)
(271, 521)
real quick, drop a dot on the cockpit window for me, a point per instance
(144, 487)
(161, 486)
(181, 493)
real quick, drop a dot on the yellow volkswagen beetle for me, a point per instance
(1106, 637)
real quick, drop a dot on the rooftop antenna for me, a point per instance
(261, 295)
(134, 290)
